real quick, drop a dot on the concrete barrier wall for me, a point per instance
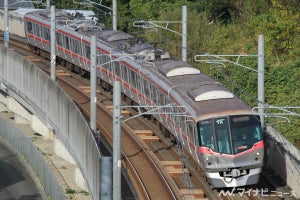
(284, 159)
(24, 147)
(45, 99)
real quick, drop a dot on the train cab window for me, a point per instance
(29, 27)
(222, 134)
(206, 134)
(245, 131)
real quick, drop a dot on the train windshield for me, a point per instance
(230, 135)
(245, 131)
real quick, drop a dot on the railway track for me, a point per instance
(139, 143)
(144, 146)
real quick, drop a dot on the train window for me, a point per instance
(29, 27)
(117, 68)
(206, 134)
(122, 69)
(58, 39)
(104, 59)
(162, 100)
(157, 97)
(138, 81)
(222, 133)
(153, 93)
(147, 88)
(87, 51)
(67, 43)
(77, 46)
(132, 78)
(245, 131)
(167, 100)
(74, 44)
(125, 72)
(192, 131)
(101, 59)
(37, 30)
(98, 58)
(46, 33)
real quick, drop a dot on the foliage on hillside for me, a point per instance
(228, 27)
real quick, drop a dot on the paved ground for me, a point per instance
(15, 182)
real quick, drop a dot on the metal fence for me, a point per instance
(24, 146)
(46, 100)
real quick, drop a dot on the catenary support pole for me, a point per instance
(115, 23)
(48, 4)
(261, 82)
(6, 31)
(184, 33)
(117, 141)
(93, 84)
(53, 44)
(106, 182)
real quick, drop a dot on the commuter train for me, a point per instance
(216, 127)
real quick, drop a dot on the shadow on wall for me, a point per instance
(9, 175)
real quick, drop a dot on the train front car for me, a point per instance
(231, 150)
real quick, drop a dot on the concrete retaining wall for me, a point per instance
(26, 149)
(46, 100)
(284, 159)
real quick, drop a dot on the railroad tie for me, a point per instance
(87, 89)
(60, 72)
(146, 135)
(193, 193)
(146, 138)
(143, 132)
(174, 168)
(32, 58)
(111, 108)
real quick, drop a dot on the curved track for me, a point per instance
(150, 159)
(148, 173)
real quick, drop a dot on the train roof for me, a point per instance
(202, 96)
(21, 12)
(75, 20)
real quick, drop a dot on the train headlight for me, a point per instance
(257, 156)
(208, 160)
